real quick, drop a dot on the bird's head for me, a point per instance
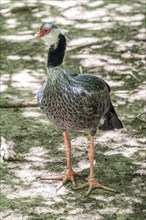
(49, 33)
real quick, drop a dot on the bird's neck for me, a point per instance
(56, 52)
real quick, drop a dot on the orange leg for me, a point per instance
(92, 183)
(69, 174)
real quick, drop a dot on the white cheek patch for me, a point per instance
(51, 38)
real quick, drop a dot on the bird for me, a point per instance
(74, 101)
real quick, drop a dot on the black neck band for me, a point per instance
(56, 54)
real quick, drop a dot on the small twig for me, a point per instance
(141, 119)
(81, 69)
(5, 216)
(18, 104)
(141, 114)
(134, 76)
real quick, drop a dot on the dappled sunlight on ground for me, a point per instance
(81, 42)
(28, 113)
(27, 79)
(16, 57)
(137, 94)
(28, 175)
(122, 45)
(98, 60)
(141, 35)
(120, 143)
(17, 38)
(12, 23)
(108, 40)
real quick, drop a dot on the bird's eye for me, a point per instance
(46, 30)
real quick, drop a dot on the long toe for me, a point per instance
(82, 186)
(107, 188)
(59, 177)
(92, 184)
(68, 176)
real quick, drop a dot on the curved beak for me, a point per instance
(37, 35)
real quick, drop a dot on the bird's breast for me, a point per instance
(70, 108)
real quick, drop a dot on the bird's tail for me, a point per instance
(111, 120)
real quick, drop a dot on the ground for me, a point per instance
(108, 40)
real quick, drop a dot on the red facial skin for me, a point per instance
(42, 32)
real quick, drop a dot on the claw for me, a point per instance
(107, 188)
(73, 181)
(62, 183)
(89, 190)
(59, 186)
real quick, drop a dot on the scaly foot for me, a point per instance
(92, 183)
(69, 175)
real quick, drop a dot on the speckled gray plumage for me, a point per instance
(74, 101)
